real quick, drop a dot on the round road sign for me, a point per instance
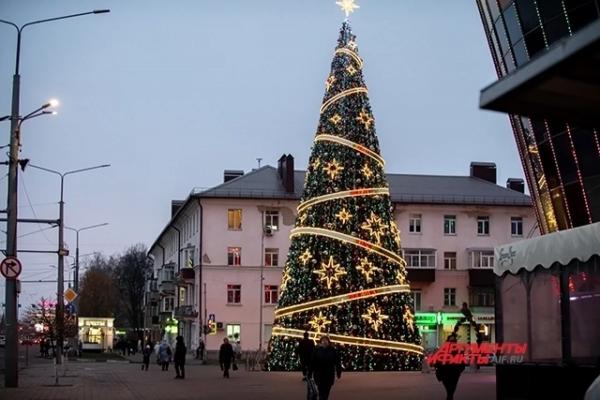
(10, 267)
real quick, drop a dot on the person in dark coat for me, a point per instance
(325, 365)
(304, 351)
(146, 357)
(179, 358)
(449, 374)
(200, 351)
(225, 357)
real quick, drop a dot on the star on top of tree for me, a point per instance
(347, 6)
(374, 317)
(330, 272)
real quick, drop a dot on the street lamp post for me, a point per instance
(11, 374)
(60, 306)
(76, 274)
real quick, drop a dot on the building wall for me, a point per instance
(561, 160)
(217, 274)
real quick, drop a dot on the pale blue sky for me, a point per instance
(171, 93)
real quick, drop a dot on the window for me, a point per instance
(234, 256)
(234, 332)
(234, 294)
(182, 293)
(271, 257)
(414, 223)
(416, 296)
(483, 226)
(189, 258)
(449, 224)
(234, 219)
(168, 304)
(449, 297)
(420, 258)
(482, 298)
(272, 219)
(516, 226)
(450, 260)
(482, 259)
(271, 294)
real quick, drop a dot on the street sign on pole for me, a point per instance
(10, 267)
(70, 295)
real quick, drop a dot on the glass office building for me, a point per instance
(561, 160)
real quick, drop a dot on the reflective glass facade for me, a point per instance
(561, 160)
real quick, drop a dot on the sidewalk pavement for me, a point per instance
(123, 380)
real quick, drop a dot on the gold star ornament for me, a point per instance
(335, 119)
(347, 6)
(284, 280)
(375, 226)
(316, 164)
(329, 82)
(367, 268)
(344, 215)
(365, 119)
(395, 232)
(319, 322)
(408, 319)
(375, 317)
(351, 70)
(333, 168)
(305, 257)
(366, 171)
(330, 272)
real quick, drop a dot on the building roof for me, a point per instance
(264, 183)
(404, 188)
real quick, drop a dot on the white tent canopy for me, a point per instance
(558, 247)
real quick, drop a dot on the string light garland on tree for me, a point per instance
(344, 275)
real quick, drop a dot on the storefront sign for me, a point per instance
(426, 318)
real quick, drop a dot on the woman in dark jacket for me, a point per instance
(448, 373)
(324, 366)
(179, 358)
(225, 357)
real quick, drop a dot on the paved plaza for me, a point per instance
(125, 380)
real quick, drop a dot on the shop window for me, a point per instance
(234, 332)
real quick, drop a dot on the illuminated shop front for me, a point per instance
(96, 334)
(436, 326)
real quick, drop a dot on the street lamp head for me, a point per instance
(51, 103)
(101, 11)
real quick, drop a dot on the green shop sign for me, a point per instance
(451, 318)
(426, 318)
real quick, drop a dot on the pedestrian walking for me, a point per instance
(146, 357)
(226, 357)
(325, 365)
(304, 352)
(164, 355)
(42, 346)
(200, 351)
(448, 373)
(180, 351)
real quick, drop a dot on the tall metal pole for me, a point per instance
(76, 275)
(11, 374)
(60, 292)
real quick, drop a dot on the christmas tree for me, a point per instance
(344, 275)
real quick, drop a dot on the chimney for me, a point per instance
(484, 170)
(517, 184)
(175, 206)
(285, 170)
(230, 174)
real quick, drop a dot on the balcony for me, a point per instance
(166, 288)
(186, 275)
(481, 277)
(420, 274)
(185, 312)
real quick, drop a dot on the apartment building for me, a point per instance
(220, 257)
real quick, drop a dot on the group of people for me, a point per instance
(164, 356)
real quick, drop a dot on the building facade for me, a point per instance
(235, 239)
(561, 159)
